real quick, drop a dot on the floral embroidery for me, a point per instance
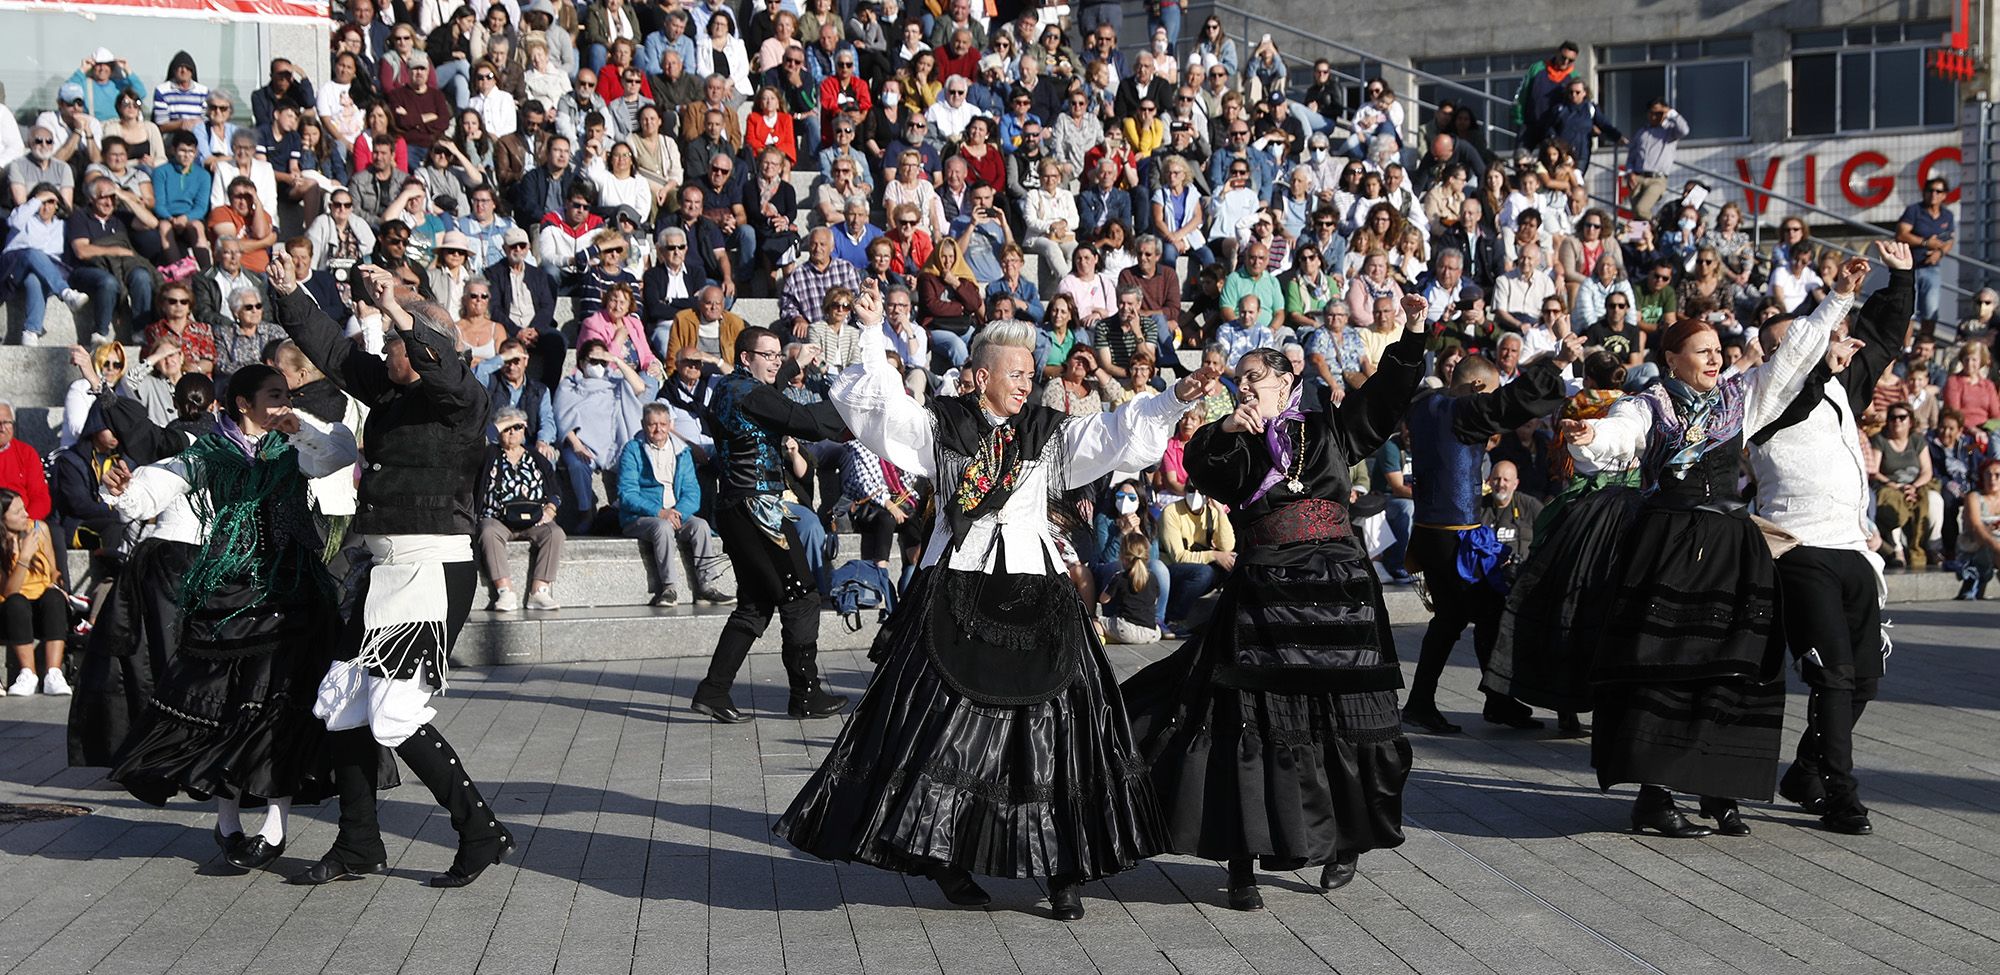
(988, 469)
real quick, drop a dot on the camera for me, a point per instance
(342, 270)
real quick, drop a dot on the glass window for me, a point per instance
(1710, 77)
(1496, 74)
(1878, 80)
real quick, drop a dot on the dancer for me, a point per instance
(1686, 669)
(1448, 434)
(426, 437)
(991, 739)
(1813, 483)
(761, 534)
(138, 623)
(1273, 735)
(232, 717)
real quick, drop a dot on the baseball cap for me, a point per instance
(104, 56)
(514, 235)
(69, 92)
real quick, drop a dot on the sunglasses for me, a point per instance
(252, 306)
(843, 306)
(670, 248)
(1617, 304)
(174, 301)
(342, 204)
(906, 223)
(513, 427)
(469, 296)
(612, 250)
(45, 142)
(1593, 225)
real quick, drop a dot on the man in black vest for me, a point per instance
(426, 436)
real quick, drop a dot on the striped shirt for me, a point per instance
(173, 104)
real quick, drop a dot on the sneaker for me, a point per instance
(505, 601)
(102, 338)
(24, 684)
(54, 684)
(665, 597)
(715, 596)
(74, 299)
(31, 339)
(544, 600)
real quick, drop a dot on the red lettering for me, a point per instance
(1811, 161)
(1879, 187)
(1754, 201)
(1931, 159)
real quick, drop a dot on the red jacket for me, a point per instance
(21, 473)
(858, 101)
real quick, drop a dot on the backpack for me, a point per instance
(860, 585)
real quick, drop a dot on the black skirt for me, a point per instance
(129, 648)
(922, 774)
(1689, 678)
(236, 727)
(1294, 779)
(1558, 607)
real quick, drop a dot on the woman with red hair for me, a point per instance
(1684, 663)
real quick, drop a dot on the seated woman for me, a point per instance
(518, 496)
(34, 609)
(597, 411)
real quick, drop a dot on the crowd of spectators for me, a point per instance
(1146, 206)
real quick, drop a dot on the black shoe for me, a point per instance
(1804, 788)
(713, 597)
(1728, 818)
(1340, 872)
(958, 886)
(814, 703)
(1243, 892)
(328, 870)
(1568, 725)
(1519, 716)
(1066, 900)
(1667, 821)
(226, 843)
(1853, 822)
(473, 859)
(1428, 719)
(724, 712)
(255, 853)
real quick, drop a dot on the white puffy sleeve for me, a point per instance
(869, 395)
(323, 447)
(1130, 437)
(1618, 436)
(153, 489)
(1775, 382)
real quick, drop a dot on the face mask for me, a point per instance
(1196, 501)
(1160, 46)
(1319, 155)
(594, 370)
(1687, 225)
(890, 98)
(1127, 504)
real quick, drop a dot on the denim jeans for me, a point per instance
(1400, 513)
(812, 534)
(1191, 581)
(38, 276)
(1928, 290)
(1168, 18)
(105, 289)
(948, 350)
(454, 79)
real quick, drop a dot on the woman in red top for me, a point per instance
(197, 341)
(1969, 389)
(984, 162)
(770, 126)
(611, 79)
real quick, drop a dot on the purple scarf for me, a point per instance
(1278, 440)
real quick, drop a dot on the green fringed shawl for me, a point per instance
(256, 520)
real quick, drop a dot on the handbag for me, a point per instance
(520, 515)
(342, 699)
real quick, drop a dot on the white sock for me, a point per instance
(228, 816)
(275, 812)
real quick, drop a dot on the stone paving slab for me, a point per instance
(646, 849)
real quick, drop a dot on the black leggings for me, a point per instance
(24, 620)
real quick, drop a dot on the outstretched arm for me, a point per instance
(1132, 436)
(1776, 382)
(869, 396)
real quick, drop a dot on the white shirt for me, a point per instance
(662, 458)
(496, 108)
(159, 492)
(948, 122)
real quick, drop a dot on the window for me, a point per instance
(1709, 80)
(1498, 75)
(1866, 79)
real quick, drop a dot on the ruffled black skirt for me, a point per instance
(129, 648)
(235, 727)
(1293, 779)
(1559, 606)
(923, 775)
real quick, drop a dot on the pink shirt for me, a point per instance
(618, 337)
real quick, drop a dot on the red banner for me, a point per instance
(262, 11)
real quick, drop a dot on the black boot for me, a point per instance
(1844, 813)
(958, 886)
(1340, 872)
(809, 698)
(1654, 810)
(1728, 818)
(1568, 724)
(1243, 892)
(1503, 710)
(482, 841)
(1425, 716)
(1066, 897)
(1805, 787)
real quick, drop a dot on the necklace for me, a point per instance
(1292, 482)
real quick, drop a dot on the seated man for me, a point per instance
(1199, 546)
(658, 495)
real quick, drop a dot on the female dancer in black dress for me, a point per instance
(1274, 735)
(232, 718)
(1685, 668)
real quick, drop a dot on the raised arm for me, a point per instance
(143, 494)
(323, 447)
(1131, 437)
(1370, 412)
(323, 341)
(1774, 383)
(870, 397)
(1880, 326)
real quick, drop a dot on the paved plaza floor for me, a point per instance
(646, 848)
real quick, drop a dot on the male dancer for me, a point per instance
(425, 436)
(1448, 434)
(1813, 483)
(760, 534)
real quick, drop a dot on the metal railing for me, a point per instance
(1226, 11)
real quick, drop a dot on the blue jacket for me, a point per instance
(639, 493)
(1027, 298)
(1095, 208)
(178, 194)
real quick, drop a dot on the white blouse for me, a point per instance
(159, 492)
(871, 398)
